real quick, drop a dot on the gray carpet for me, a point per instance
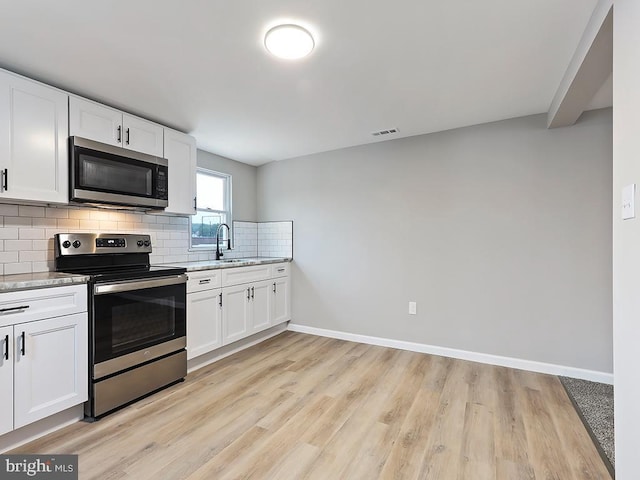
(595, 402)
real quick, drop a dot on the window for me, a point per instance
(213, 207)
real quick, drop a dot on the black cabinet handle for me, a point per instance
(248, 294)
(23, 350)
(5, 179)
(220, 301)
(128, 136)
(119, 133)
(6, 343)
(195, 203)
(252, 292)
(274, 287)
(4, 311)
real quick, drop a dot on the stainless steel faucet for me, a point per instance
(218, 252)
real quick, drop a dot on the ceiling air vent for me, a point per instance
(388, 131)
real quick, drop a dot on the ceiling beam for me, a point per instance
(589, 68)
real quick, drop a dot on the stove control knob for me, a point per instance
(140, 243)
(66, 244)
(76, 244)
(147, 243)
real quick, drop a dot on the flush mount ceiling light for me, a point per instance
(289, 42)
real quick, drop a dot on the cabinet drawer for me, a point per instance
(238, 275)
(30, 305)
(203, 280)
(280, 269)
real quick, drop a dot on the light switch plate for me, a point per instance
(412, 308)
(629, 202)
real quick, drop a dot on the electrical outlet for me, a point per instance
(412, 308)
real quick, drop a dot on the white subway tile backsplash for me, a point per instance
(70, 223)
(108, 225)
(44, 222)
(46, 244)
(29, 211)
(51, 212)
(78, 214)
(10, 210)
(12, 268)
(18, 245)
(42, 266)
(26, 240)
(89, 224)
(8, 257)
(31, 233)
(8, 233)
(100, 214)
(17, 221)
(32, 256)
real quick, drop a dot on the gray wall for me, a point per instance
(500, 232)
(243, 183)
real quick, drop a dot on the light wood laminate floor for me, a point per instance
(304, 407)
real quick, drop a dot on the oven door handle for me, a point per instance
(129, 285)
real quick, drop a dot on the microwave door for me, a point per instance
(102, 174)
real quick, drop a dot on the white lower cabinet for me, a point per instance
(235, 313)
(50, 372)
(204, 322)
(6, 380)
(261, 299)
(239, 302)
(43, 363)
(281, 308)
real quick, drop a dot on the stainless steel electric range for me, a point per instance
(137, 317)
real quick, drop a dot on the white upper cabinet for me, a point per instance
(94, 121)
(104, 124)
(33, 141)
(180, 150)
(142, 136)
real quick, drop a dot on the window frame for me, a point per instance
(227, 199)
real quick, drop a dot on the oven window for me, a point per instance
(125, 322)
(127, 331)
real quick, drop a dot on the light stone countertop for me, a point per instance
(237, 262)
(28, 281)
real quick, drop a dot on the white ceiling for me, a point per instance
(200, 66)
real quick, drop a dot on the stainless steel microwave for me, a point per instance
(104, 174)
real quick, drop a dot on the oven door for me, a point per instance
(137, 321)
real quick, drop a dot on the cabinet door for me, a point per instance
(261, 305)
(33, 140)
(281, 308)
(142, 136)
(94, 121)
(180, 150)
(50, 366)
(204, 322)
(6, 379)
(235, 313)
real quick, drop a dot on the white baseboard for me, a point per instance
(539, 367)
